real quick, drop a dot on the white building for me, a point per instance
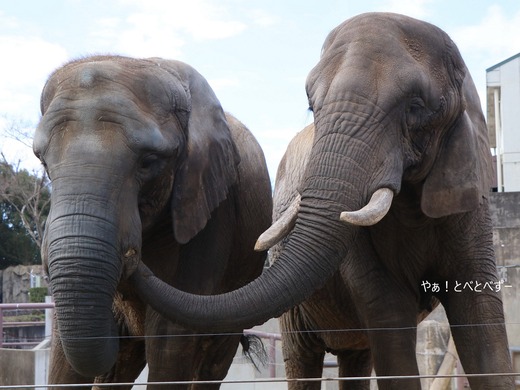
(503, 119)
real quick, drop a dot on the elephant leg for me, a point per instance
(214, 362)
(394, 355)
(354, 363)
(481, 339)
(60, 371)
(189, 358)
(169, 353)
(303, 354)
(174, 355)
(390, 315)
(130, 362)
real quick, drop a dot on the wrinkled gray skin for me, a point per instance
(305, 338)
(394, 107)
(145, 166)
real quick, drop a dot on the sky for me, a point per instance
(255, 54)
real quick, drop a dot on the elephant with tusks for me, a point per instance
(387, 190)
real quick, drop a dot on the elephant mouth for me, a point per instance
(375, 210)
(131, 259)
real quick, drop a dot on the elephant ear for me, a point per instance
(461, 175)
(209, 166)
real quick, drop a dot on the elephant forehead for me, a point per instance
(90, 74)
(388, 35)
(142, 81)
(87, 76)
(370, 65)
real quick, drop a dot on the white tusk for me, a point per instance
(280, 228)
(373, 212)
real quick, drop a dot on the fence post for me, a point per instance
(1, 327)
(49, 316)
(272, 356)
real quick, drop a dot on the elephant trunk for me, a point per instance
(305, 266)
(84, 269)
(317, 245)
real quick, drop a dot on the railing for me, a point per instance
(15, 324)
(271, 337)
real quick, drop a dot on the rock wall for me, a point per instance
(16, 281)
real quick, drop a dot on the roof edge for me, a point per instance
(503, 62)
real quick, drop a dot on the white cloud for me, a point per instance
(222, 83)
(7, 22)
(263, 18)
(23, 72)
(492, 40)
(496, 35)
(160, 27)
(31, 60)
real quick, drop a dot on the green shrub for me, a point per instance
(37, 294)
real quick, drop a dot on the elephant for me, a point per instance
(389, 197)
(145, 167)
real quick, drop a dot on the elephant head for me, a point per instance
(393, 105)
(127, 144)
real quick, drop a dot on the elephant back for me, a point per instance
(289, 177)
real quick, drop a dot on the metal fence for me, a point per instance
(270, 339)
(17, 310)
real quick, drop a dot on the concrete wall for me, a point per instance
(24, 367)
(505, 214)
(16, 367)
(504, 79)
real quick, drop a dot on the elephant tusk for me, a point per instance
(373, 212)
(280, 228)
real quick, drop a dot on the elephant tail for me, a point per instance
(253, 349)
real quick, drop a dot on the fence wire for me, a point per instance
(344, 330)
(261, 380)
(279, 379)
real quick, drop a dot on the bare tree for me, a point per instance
(18, 129)
(28, 194)
(24, 193)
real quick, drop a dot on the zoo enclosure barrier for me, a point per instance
(24, 307)
(48, 306)
(271, 338)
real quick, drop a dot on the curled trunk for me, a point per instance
(318, 244)
(303, 268)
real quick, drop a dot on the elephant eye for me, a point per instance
(148, 161)
(415, 112)
(310, 104)
(416, 105)
(44, 164)
(150, 166)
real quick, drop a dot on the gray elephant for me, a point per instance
(145, 166)
(392, 202)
